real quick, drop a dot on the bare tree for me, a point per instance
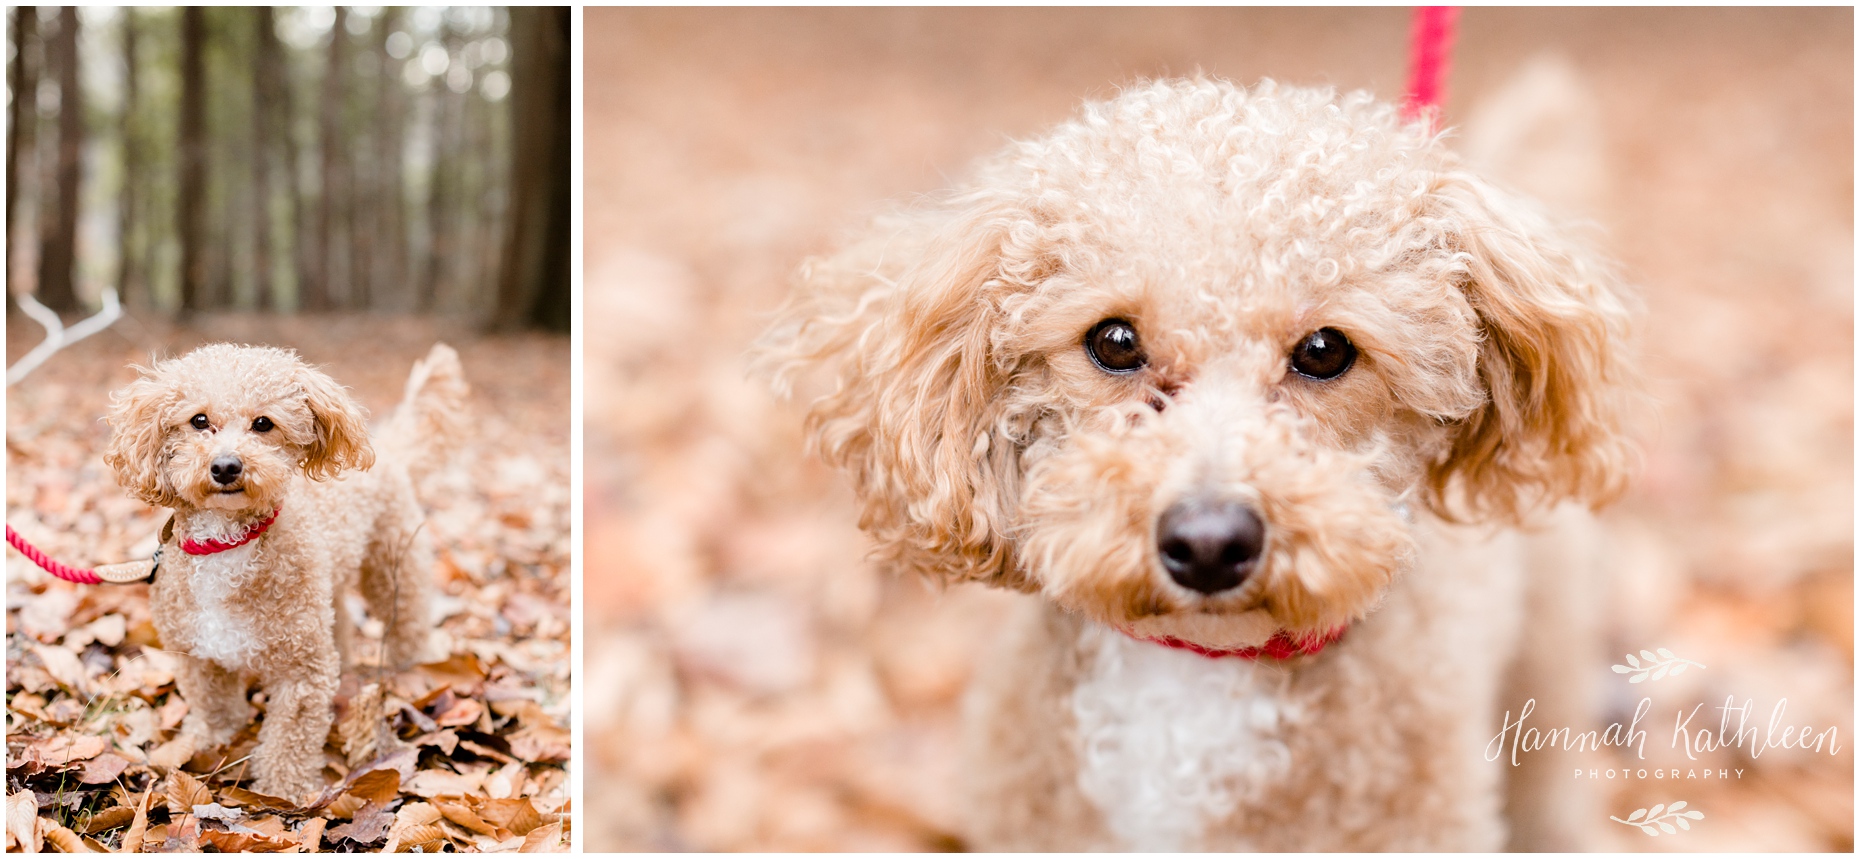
(266, 82)
(23, 117)
(533, 287)
(58, 248)
(332, 209)
(389, 267)
(191, 146)
(129, 276)
(442, 195)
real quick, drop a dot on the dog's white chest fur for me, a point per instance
(1171, 741)
(219, 634)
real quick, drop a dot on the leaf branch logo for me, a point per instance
(1659, 663)
(1648, 818)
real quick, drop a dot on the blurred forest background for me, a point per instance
(291, 159)
(754, 684)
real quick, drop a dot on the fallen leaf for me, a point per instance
(463, 816)
(544, 839)
(64, 839)
(102, 769)
(22, 821)
(310, 838)
(461, 712)
(376, 786)
(516, 815)
(109, 818)
(431, 783)
(139, 825)
(215, 811)
(65, 667)
(360, 729)
(254, 799)
(367, 827)
(185, 792)
(244, 842)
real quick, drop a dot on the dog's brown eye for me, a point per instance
(1113, 346)
(1323, 354)
(262, 424)
(200, 422)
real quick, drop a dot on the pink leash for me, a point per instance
(1430, 57)
(46, 563)
(132, 571)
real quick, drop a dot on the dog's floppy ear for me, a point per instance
(1554, 362)
(905, 317)
(341, 427)
(137, 423)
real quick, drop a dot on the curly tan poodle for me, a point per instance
(280, 506)
(1252, 388)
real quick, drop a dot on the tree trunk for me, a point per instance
(533, 287)
(23, 118)
(442, 192)
(331, 255)
(389, 267)
(191, 211)
(58, 254)
(129, 277)
(265, 86)
(284, 114)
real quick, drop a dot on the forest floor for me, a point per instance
(469, 753)
(754, 685)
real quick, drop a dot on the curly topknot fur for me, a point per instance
(1225, 225)
(270, 610)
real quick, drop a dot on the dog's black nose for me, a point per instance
(226, 469)
(1210, 546)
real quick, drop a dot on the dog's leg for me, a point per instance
(397, 576)
(216, 706)
(289, 757)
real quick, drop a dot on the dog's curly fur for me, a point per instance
(1225, 224)
(271, 610)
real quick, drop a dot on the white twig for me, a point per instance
(57, 336)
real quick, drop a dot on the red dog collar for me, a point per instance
(1281, 646)
(212, 547)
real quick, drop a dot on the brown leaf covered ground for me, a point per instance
(755, 686)
(466, 754)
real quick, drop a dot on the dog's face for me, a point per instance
(227, 427)
(1194, 362)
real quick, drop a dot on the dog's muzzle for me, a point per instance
(226, 469)
(1210, 546)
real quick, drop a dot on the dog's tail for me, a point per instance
(430, 421)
